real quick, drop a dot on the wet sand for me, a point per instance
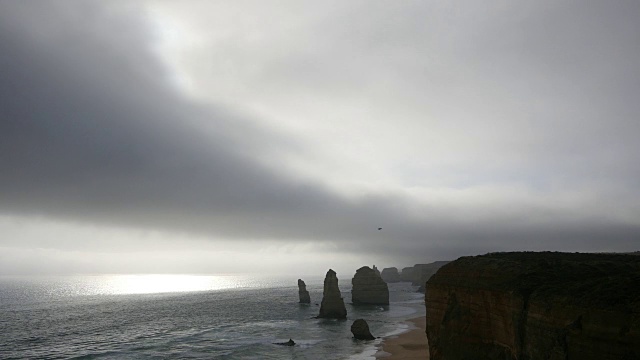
(409, 346)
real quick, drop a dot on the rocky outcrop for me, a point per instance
(376, 270)
(369, 288)
(360, 330)
(422, 272)
(406, 274)
(533, 306)
(303, 293)
(286, 343)
(332, 305)
(390, 275)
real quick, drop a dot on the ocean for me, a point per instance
(188, 317)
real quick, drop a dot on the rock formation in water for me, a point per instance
(286, 343)
(532, 306)
(406, 274)
(390, 275)
(332, 305)
(376, 270)
(360, 330)
(422, 272)
(303, 293)
(369, 288)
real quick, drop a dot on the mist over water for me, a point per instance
(151, 316)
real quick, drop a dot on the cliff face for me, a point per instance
(332, 305)
(422, 272)
(390, 275)
(369, 288)
(406, 274)
(535, 306)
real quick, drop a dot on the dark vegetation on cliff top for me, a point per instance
(608, 281)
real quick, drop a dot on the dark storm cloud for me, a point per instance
(91, 131)
(86, 134)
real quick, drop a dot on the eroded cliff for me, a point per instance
(535, 306)
(423, 272)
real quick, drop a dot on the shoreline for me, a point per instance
(409, 345)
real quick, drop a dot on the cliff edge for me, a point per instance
(423, 272)
(535, 306)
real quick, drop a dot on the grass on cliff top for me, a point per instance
(588, 279)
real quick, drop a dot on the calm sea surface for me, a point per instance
(184, 316)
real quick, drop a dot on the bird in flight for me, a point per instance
(379, 228)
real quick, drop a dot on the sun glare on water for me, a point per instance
(148, 284)
(151, 284)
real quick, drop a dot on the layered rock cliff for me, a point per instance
(390, 275)
(535, 306)
(406, 274)
(332, 305)
(369, 288)
(303, 293)
(422, 272)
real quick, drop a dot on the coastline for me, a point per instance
(409, 345)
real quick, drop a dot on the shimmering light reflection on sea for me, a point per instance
(81, 285)
(150, 284)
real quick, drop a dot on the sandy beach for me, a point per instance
(409, 346)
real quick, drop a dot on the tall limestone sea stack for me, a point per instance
(303, 293)
(369, 288)
(332, 305)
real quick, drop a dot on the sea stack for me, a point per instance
(332, 305)
(369, 288)
(406, 274)
(360, 330)
(390, 275)
(303, 293)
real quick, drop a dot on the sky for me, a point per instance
(209, 137)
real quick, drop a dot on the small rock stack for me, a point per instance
(360, 330)
(303, 293)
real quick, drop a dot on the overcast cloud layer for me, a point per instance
(200, 136)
